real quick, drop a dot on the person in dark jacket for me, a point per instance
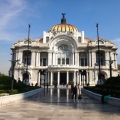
(104, 93)
(74, 92)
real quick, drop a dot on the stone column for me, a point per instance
(56, 59)
(48, 78)
(80, 79)
(53, 61)
(73, 57)
(16, 58)
(82, 36)
(107, 59)
(77, 78)
(93, 58)
(67, 93)
(36, 58)
(76, 59)
(33, 58)
(112, 58)
(58, 92)
(58, 78)
(89, 58)
(87, 77)
(20, 57)
(51, 80)
(49, 58)
(67, 77)
(74, 77)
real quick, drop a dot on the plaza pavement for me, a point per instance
(56, 104)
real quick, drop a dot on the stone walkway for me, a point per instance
(56, 104)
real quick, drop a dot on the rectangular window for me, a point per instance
(79, 39)
(44, 61)
(67, 61)
(47, 39)
(82, 61)
(85, 61)
(29, 61)
(41, 62)
(63, 61)
(59, 61)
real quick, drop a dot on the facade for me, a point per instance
(66, 55)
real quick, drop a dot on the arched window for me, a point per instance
(100, 42)
(102, 57)
(26, 42)
(64, 55)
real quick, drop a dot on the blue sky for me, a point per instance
(15, 15)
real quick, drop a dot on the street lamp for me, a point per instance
(96, 64)
(40, 71)
(13, 66)
(98, 50)
(44, 73)
(110, 62)
(18, 69)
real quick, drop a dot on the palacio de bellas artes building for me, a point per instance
(65, 55)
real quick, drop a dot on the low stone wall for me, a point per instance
(17, 97)
(111, 100)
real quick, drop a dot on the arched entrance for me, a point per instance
(26, 78)
(101, 75)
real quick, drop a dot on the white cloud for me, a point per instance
(9, 11)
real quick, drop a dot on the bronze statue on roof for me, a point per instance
(63, 20)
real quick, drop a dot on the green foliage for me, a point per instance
(3, 91)
(19, 87)
(6, 80)
(113, 81)
(112, 85)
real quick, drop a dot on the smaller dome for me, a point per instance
(63, 28)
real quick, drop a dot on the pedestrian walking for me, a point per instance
(74, 92)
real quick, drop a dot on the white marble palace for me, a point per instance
(66, 55)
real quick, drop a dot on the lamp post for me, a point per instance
(13, 66)
(96, 64)
(28, 45)
(44, 73)
(110, 62)
(79, 73)
(40, 76)
(18, 69)
(98, 50)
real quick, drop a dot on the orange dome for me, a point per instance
(63, 28)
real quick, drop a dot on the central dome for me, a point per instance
(63, 27)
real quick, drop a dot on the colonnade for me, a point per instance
(77, 78)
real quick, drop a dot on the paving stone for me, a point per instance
(52, 106)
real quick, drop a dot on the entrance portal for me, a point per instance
(62, 78)
(101, 76)
(26, 78)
